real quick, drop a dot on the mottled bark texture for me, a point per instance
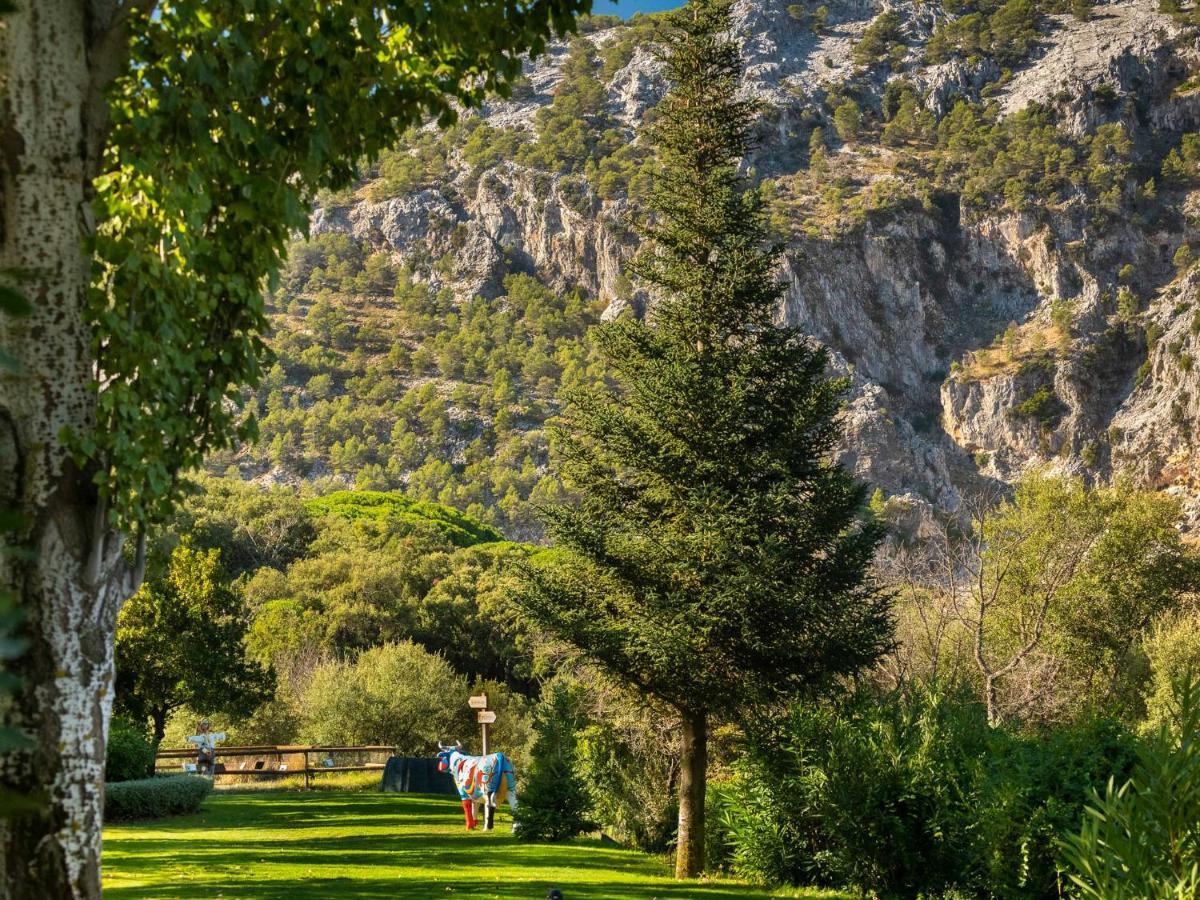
(56, 56)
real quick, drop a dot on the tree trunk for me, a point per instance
(693, 776)
(991, 695)
(159, 718)
(71, 586)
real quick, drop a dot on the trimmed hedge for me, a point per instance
(153, 798)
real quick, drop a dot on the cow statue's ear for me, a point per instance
(458, 745)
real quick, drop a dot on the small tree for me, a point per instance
(554, 800)
(398, 694)
(847, 120)
(818, 155)
(1055, 590)
(180, 642)
(716, 557)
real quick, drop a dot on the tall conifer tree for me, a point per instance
(716, 558)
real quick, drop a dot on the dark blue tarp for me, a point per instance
(416, 775)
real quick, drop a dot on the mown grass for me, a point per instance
(275, 845)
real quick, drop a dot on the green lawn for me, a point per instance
(342, 844)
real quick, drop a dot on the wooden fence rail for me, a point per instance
(281, 769)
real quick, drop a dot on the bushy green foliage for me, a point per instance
(1007, 31)
(900, 795)
(555, 803)
(1041, 406)
(128, 755)
(1141, 841)
(815, 18)
(1182, 164)
(1173, 652)
(251, 526)
(373, 582)
(907, 119)
(154, 798)
(878, 39)
(396, 694)
(628, 760)
(192, 227)
(1067, 587)
(418, 162)
(396, 509)
(847, 120)
(329, 260)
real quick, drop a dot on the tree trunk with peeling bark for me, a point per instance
(55, 59)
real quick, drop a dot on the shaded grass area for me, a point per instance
(274, 845)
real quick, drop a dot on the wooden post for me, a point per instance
(485, 717)
(306, 773)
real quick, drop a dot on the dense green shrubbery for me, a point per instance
(129, 755)
(403, 696)
(153, 798)
(554, 798)
(1142, 841)
(902, 795)
(627, 760)
(880, 38)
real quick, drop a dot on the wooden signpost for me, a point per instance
(483, 716)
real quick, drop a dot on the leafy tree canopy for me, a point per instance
(398, 510)
(180, 642)
(187, 239)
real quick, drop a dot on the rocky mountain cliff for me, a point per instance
(989, 212)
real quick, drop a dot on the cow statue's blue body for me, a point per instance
(488, 778)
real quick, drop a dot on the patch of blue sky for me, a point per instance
(626, 8)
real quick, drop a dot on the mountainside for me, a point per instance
(989, 211)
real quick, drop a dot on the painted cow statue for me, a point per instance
(488, 778)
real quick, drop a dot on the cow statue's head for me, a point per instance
(444, 753)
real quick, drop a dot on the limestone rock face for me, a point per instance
(977, 344)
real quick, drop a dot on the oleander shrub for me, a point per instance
(129, 755)
(153, 798)
(1141, 841)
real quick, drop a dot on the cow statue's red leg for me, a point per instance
(469, 810)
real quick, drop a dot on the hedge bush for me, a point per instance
(129, 754)
(901, 795)
(153, 798)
